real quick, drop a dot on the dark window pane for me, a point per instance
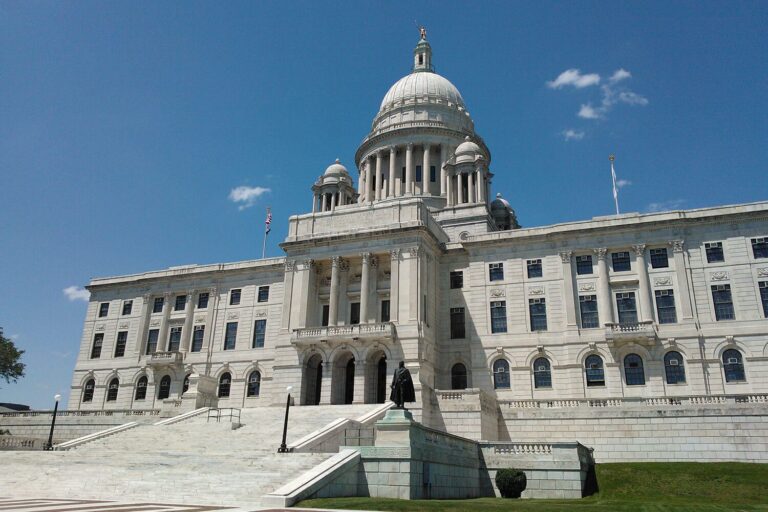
(263, 294)
(459, 376)
(202, 300)
(593, 368)
(181, 301)
(98, 341)
(122, 339)
(764, 297)
(620, 261)
(501, 374)
(496, 271)
(665, 306)
(385, 311)
(733, 365)
(326, 315)
(197, 338)
(418, 173)
(714, 252)
(185, 386)
(457, 279)
(498, 316)
(141, 389)
(234, 297)
(588, 308)
(259, 333)
(152, 337)
(721, 296)
(174, 339)
(432, 173)
(584, 265)
(674, 368)
(127, 307)
(254, 384)
(354, 313)
(625, 303)
(103, 309)
(164, 391)
(157, 305)
(542, 374)
(230, 336)
(633, 370)
(659, 258)
(538, 312)
(114, 387)
(760, 247)
(457, 323)
(224, 384)
(534, 268)
(88, 390)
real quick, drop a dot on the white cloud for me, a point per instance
(619, 75)
(622, 183)
(246, 196)
(664, 206)
(575, 78)
(571, 134)
(74, 293)
(632, 98)
(589, 112)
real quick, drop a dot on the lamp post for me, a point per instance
(283, 448)
(49, 445)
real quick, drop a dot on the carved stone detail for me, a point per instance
(100, 327)
(565, 256)
(719, 276)
(587, 287)
(154, 323)
(344, 265)
(199, 319)
(290, 265)
(662, 281)
(374, 262)
(124, 325)
(762, 272)
(497, 292)
(233, 316)
(536, 290)
(260, 314)
(639, 249)
(600, 252)
(677, 245)
(394, 254)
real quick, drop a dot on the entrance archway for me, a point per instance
(376, 378)
(343, 379)
(313, 378)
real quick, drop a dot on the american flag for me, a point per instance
(268, 222)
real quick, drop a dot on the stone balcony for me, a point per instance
(166, 358)
(366, 332)
(643, 333)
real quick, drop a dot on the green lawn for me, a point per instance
(649, 487)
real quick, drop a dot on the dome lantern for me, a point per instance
(334, 188)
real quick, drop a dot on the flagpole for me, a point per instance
(613, 178)
(266, 233)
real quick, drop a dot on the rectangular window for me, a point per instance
(498, 316)
(627, 308)
(326, 315)
(620, 261)
(259, 333)
(432, 173)
(665, 306)
(157, 305)
(230, 336)
(122, 339)
(538, 311)
(202, 300)
(152, 337)
(760, 247)
(418, 173)
(103, 309)
(584, 265)
(588, 309)
(457, 323)
(354, 313)
(127, 307)
(174, 339)
(197, 338)
(457, 279)
(385, 310)
(181, 301)
(234, 297)
(764, 297)
(98, 341)
(714, 252)
(496, 271)
(721, 296)
(534, 268)
(263, 295)
(659, 258)
(402, 175)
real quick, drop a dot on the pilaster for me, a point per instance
(646, 307)
(678, 252)
(570, 297)
(394, 280)
(604, 303)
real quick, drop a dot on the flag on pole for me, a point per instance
(268, 222)
(615, 190)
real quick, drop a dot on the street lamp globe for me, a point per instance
(57, 397)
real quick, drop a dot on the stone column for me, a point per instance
(186, 332)
(364, 287)
(425, 170)
(334, 196)
(285, 320)
(471, 185)
(480, 186)
(392, 170)
(324, 202)
(379, 175)
(449, 188)
(146, 312)
(162, 340)
(360, 181)
(372, 287)
(570, 297)
(678, 252)
(394, 284)
(646, 305)
(604, 302)
(459, 188)
(409, 169)
(300, 313)
(314, 203)
(326, 382)
(368, 180)
(213, 305)
(358, 396)
(333, 306)
(443, 174)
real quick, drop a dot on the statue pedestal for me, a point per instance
(394, 429)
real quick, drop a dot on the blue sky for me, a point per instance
(125, 126)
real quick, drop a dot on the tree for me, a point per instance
(11, 368)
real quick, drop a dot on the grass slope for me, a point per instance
(642, 487)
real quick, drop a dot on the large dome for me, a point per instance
(421, 87)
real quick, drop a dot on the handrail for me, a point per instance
(218, 414)
(753, 398)
(106, 412)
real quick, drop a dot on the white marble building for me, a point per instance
(418, 262)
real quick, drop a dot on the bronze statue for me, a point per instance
(402, 387)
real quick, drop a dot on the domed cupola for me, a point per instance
(334, 188)
(504, 216)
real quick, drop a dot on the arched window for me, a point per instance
(165, 388)
(734, 366)
(542, 374)
(593, 369)
(254, 383)
(501, 374)
(185, 387)
(141, 389)
(88, 391)
(225, 381)
(114, 387)
(674, 368)
(633, 370)
(459, 376)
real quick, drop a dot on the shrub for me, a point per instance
(511, 482)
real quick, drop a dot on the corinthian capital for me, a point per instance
(639, 249)
(600, 252)
(677, 245)
(565, 256)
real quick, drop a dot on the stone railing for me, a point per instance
(166, 358)
(522, 449)
(631, 332)
(112, 412)
(637, 402)
(21, 443)
(383, 330)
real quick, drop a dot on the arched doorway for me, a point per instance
(381, 380)
(313, 379)
(343, 379)
(376, 377)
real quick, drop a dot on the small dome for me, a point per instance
(468, 147)
(336, 170)
(500, 203)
